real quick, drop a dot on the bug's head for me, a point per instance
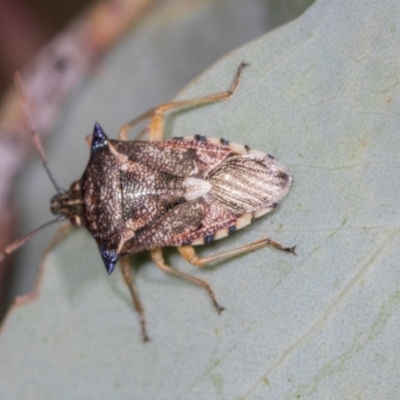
(69, 204)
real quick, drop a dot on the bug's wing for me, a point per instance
(249, 183)
(240, 189)
(177, 156)
(182, 225)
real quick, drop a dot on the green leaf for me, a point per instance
(321, 95)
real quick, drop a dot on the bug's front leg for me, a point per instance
(156, 114)
(189, 254)
(127, 274)
(158, 259)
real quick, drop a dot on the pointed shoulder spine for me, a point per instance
(99, 138)
(110, 259)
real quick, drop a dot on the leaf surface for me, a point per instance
(322, 96)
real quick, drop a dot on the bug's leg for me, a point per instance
(127, 274)
(158, 259)
(88, 139)
(157, 114)
(189, 254)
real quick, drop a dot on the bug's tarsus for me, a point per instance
(280, 247)
(237, 77)
(218, 307)
(291, 250)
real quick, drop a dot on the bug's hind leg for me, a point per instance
(189, 254)
(128, 278)
(158, 259)
(156, 114)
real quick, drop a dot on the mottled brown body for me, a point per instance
(139, 196)
(136, 196)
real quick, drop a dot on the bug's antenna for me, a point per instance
(35, 136)
(19, 242)
(38, 146)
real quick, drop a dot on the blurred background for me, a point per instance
(57, 45)
(26, 26)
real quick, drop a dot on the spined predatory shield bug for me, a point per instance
(181, 192)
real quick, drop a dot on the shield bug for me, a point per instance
(139, 196)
